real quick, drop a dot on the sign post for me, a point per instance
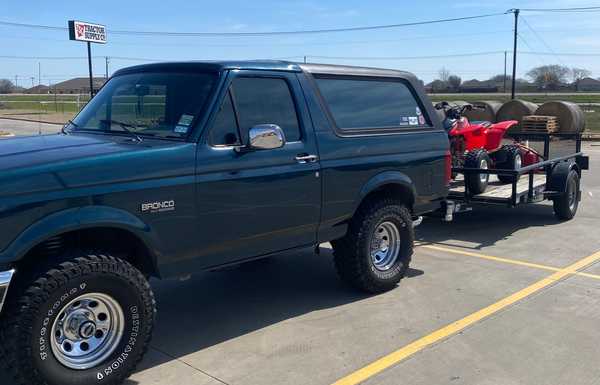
(89, 33)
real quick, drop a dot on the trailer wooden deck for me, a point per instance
(497, 190)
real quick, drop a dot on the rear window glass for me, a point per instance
(367, 104)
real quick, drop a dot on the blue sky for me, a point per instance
(557, 32)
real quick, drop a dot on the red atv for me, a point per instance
(479, 145)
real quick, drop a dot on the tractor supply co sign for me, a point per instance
(81, 31)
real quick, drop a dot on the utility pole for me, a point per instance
(505, 55)
(16, 81)
(304, 59)
(514, 70)
(39, 74)
(32, 80)
(89, 49)
(106, 61)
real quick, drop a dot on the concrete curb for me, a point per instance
(31, 120)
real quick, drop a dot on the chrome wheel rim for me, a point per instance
(484, 166)
(87, 331)
(518, 162)
(572, 194)
(385, 246)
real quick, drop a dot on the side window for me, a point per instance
(224, 131)
(359, 104)
(266, 101)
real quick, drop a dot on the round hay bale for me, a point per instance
(570, 116)
(515, 110)
(488, 114)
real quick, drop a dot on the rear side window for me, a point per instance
(266, 101)
(371, 104)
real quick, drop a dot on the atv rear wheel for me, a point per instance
(477, 183)
(514, 161)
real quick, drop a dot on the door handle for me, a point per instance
(306, 158)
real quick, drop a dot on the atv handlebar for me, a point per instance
(456, 111)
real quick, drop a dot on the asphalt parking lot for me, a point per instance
(498, 297)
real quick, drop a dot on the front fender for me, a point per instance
(77, 219)
(394, 178)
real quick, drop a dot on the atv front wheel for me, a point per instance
(85, 321)
(477, 183)
(514, 161)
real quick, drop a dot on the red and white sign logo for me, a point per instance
(80, 29)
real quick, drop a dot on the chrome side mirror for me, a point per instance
(266, 137)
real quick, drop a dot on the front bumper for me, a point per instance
(5, 278)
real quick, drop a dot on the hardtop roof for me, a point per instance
(265, 65)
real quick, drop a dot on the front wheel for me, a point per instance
(85, 321)
(375, 254)
(565, 206)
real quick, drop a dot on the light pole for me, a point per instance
(514, 70)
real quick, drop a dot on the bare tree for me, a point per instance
(444, 74)
(549, 76)
(454, 82)
(6, 86)
(579, 73)
(500, 78)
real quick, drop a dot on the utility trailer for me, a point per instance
(557, 178)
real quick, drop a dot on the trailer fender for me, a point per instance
(559, 174)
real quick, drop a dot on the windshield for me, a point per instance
(148, 104)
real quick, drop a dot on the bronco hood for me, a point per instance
(58, 162)
(33, 150)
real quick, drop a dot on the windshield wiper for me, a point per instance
(125, 126)
(64, 128)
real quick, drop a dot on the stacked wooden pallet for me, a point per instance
(540, 124)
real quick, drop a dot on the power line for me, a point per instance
(457, 55)
(575, 9)
(529, 46)
(537, 35)
(273, 33)
(271, 44)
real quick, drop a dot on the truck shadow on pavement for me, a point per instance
(212, 308)
(486, 225)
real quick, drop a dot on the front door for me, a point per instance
(262, 201)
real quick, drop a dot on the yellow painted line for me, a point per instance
(455, 327)
(505, 260)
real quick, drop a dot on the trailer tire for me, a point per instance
(88, 320)
(376, 252)
(565, 205)
(514, 161)
(477, 183)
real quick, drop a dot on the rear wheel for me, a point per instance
(477, 183)
(85, 321)
(514, 161)
(375, 254)
(565, 206)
